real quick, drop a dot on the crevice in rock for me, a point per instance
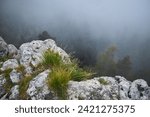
(129, 92)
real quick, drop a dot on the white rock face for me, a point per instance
(38, 88)
(2, 80)
(116, 88)
(3, 47)
(32, 53)
(10, 64)
(12, 51)
(15, 76)
(14, 93)
(83, 89)
(139, 90)
(93, 89)
(124, 87)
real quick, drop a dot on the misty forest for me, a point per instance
(110, 37)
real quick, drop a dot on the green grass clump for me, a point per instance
(8, 85)
(24, 84)
(20, 69)
(62, 73)
(51, 58)
(58, 81)
(103, 81)
(4, 58)
(79, 74)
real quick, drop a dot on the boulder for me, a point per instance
(124, 87)
(14, 93)
(15, 76)
(93, 89)
(3, 47)
(10, 64)
(139, 90)
(2, 89)
(12, 51)
(38, 88)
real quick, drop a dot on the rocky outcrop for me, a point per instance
(31, 53)
(24, 61)
(7, 49)
(117, 88)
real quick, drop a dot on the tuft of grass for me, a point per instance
(1, 64)
(51, 58)
(8, 85)
(4, 58)
(62, 73)
(58, 81)
(79, 74)
(24, 84)
(20, 68)
(103, 81)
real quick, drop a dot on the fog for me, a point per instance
(82, 26)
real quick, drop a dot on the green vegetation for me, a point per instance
(4, 58)
(103, 81)
(62, 73)
(58, 79)
(79, 74)
(124, 67)
(51, 58)
(23, 86)
(8, 85)
(107, 65)
(20, 69)
(24, 83)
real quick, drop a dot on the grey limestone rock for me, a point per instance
(38, 88)
(10, 64)
(3, 47)
(15, 76)
(14, 93)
